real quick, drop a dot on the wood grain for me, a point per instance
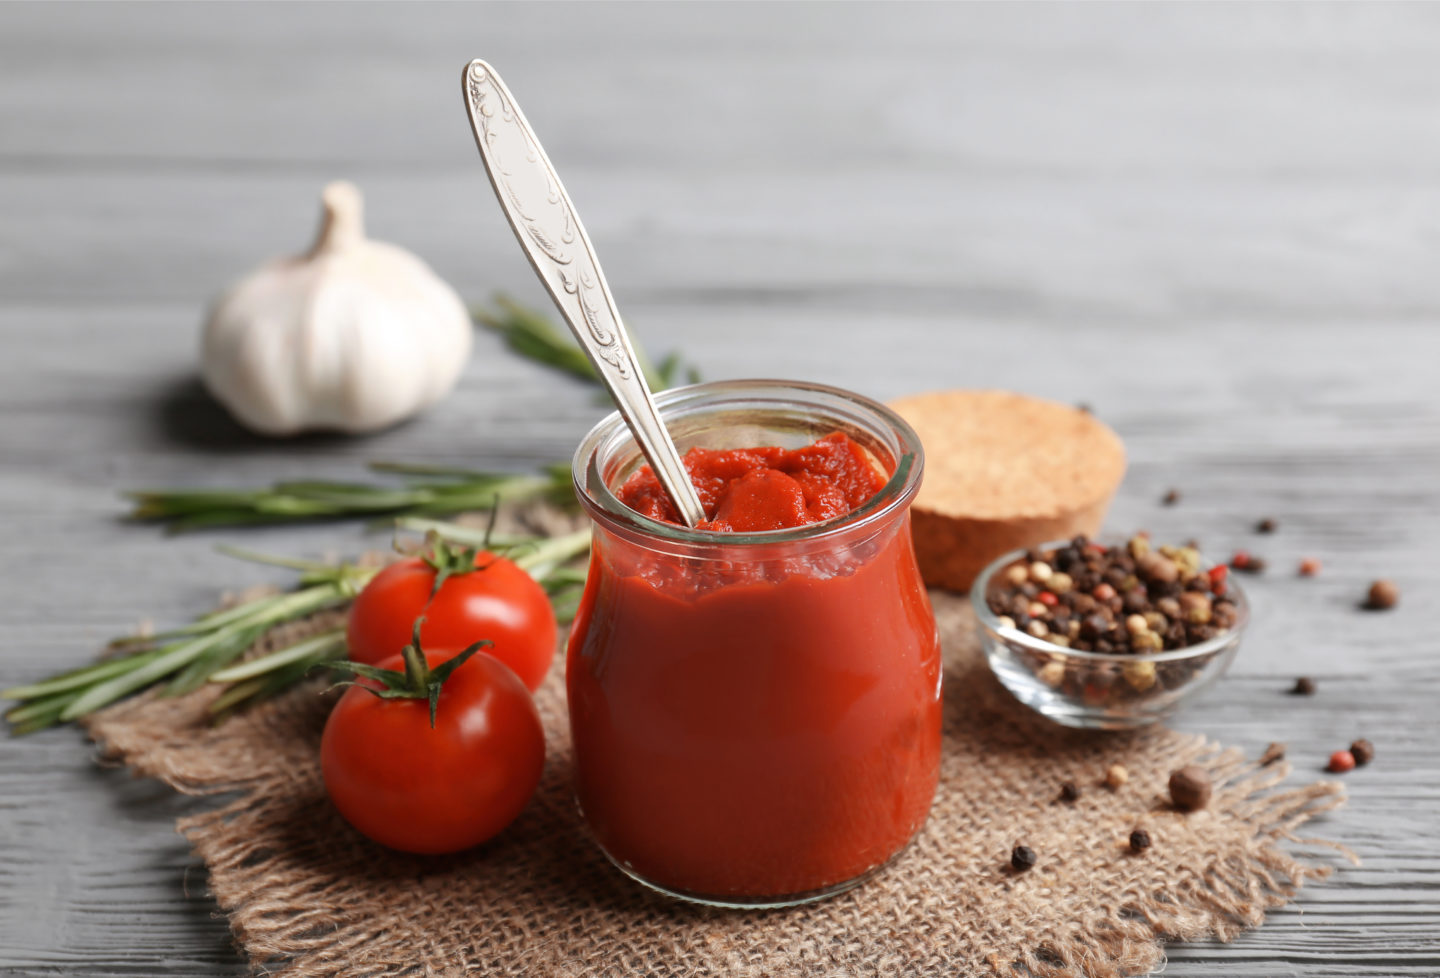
(1214, 224)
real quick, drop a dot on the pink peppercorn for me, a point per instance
(1047, 598)
(1341, 761)
(1103, 592)
(1217, 576)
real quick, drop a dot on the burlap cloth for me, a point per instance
(308, 896)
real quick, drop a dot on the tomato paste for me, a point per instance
(752, 489)
(762, 720)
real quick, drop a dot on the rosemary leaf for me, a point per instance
(529, 333)
(319, 648)
(44, 707)
(251, 691)
(78, 678)
(445, 492)
(218, 656)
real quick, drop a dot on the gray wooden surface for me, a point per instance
(1219, 225)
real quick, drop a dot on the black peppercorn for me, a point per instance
(1022, 858)
(1069, 791)
(1139, 840)
(1304, 686)
(1094, 626)
(1171, 497)
(1363, 752)
(1267, 525)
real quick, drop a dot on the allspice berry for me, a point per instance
(1363, 751)
(1190, 788)
(1139, 840)
(1383, 594)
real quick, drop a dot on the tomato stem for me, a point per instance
(417, 682)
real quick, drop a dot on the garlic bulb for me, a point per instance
(355, 335)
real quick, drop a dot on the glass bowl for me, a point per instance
(1100, 690)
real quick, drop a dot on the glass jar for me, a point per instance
(756, 716)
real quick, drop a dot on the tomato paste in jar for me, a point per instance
(757, 721)
(751, 489)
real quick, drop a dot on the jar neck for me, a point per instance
(750, 414)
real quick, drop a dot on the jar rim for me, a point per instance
(612, 435)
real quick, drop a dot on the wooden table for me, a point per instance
(1218, 225)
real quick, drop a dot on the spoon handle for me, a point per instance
(552, 237)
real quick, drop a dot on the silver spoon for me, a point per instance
(552, 237)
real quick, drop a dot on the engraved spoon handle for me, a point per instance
(552, 237)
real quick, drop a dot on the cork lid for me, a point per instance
(997, 455)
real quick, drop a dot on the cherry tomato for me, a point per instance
(497, 602)
(432, 790)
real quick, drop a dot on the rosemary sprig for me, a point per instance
(185, 658)
(530, 334)
(441, 492)
(218, 646)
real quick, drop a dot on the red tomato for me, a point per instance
(432, 790)
(498, 602)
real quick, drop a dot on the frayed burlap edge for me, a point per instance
(307, 897)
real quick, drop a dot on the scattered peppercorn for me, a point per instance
(1139, 840)
(1247, 562)
(1116, 776)
(1022, 858)
(1340, 762)
(1363, 751)
(1267, 525)
(1190, 788)
(1069, 791)
(1275, 752)
(1383, 594)
(1304, 686)
(1309, 567)
(1171, 497)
